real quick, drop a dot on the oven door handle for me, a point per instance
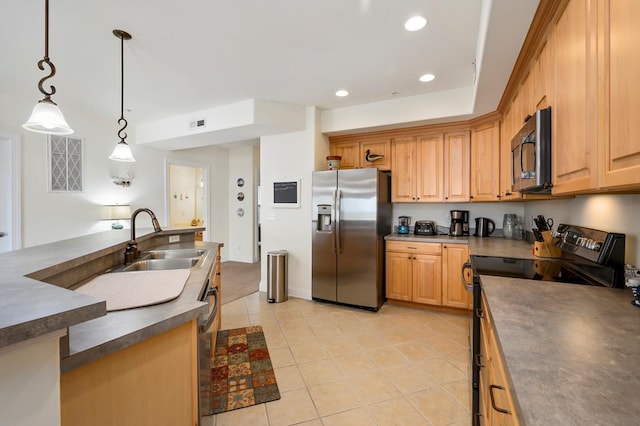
(212, 315)
(468, 285)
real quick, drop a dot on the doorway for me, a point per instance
(188, 195)
(10, 199)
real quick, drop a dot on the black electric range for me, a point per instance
(588, 257)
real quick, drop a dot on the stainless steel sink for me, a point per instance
(172, 254)
(159, 264)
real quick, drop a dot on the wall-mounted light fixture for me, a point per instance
(116, 212)
(46, 117)
(122, 151)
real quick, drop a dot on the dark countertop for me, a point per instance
(30, 308)
(570, 350)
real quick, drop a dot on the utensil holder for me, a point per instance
(546, 248)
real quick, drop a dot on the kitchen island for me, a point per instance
(570, 350)
(36, 303)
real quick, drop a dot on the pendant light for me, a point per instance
(46, 117)
(122, 151)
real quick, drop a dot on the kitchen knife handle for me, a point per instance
(336, 197)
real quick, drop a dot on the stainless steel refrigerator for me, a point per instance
(351, 216)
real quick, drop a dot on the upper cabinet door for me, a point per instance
(402, 170)
(376, 148)
(574, 106)
(619, 104)
(456, 166)
(429, 168)
(485, 162)
(349, 152)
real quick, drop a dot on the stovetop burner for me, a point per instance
(589, 257)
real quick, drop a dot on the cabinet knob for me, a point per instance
(507, 193)
(446, 198)
(471, 197)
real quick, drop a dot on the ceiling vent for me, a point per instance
(197, 124)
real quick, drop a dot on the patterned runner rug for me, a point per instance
(239, 372)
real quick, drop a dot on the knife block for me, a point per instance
(546, 248)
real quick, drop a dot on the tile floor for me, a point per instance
(343, 366)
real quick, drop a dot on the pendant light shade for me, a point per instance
(122, 151)
(46, 117)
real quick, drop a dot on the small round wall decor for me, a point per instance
(240, 182)
(240, 196)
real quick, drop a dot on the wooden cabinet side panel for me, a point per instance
(574, 101)
(151, 382)
(457, 166)
(454, 292)
(427, 279)
(619, 100)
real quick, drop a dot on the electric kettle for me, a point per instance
(484, 227)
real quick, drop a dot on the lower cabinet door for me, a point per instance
(427, 282)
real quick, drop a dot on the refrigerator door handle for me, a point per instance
(336, 235)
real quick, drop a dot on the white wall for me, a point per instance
(283, 157)
(607, 212)
(242, 229)
(48, 217)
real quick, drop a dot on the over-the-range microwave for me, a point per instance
(531, 155)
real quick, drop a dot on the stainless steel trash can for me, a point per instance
(277, 279)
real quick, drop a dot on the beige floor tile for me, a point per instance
(289, 378)
(299, 336)
(374, 387)
(319, 319)
(444, 345)
(327, 333)
(355, 364)
(355, 417)
(461, 359)
(234, 321)
(408, 380)
(397, 412)
(370, 340)
(340, 347)
(354, 327)
(293, 407)
(460, 391)
(280, 357)
(439, 407)
(415, 350)
(387, 357)
(254, 415)
(440, 371)
(208, 421)
(262, 317)
(308, 352)
(314, 422)
(334, 397)
(318, 372)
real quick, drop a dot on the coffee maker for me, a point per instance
(403, 224)
(459, 223)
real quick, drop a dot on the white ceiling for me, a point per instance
(190, 55)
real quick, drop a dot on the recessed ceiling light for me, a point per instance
(415, 23)
(342, 93)
(427, 77)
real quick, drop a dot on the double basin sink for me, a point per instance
(160, 260)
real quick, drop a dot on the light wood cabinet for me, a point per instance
(151, 382)
(354, 151)
(457, 166)
(427, 273)
(618, 93)
(485, 162)
(496, 401)
(574, 98)
(417, 168)
(454, 292)
(507, 130)
(414, 272)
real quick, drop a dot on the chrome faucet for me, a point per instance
(131, 252)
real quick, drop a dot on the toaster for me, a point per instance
(425, 227)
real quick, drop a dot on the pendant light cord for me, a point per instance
(121, 133)
(45, 60)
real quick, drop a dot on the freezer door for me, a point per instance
(323, 262)
(360, 247)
